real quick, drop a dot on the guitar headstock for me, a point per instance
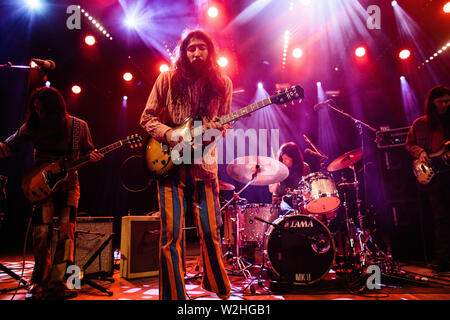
(288, 94)
(134, 140)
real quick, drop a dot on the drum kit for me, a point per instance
(297, 247)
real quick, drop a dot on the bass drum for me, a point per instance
(299, 249)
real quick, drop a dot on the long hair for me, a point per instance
(212, 81)
(431, 112)
(54, 119)
(292, 150)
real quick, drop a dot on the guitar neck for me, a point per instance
(74, 165)
(244, 111)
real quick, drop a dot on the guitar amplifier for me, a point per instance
(92, 234)
(387, 138)
(139, 247)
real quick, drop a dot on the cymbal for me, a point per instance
(346, 160)
(268, 170)
(225, 186)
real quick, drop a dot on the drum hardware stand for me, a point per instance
(359, 125)
(238, 261)
(101, 274)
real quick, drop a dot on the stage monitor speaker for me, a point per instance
(139, 247)
(90, 234)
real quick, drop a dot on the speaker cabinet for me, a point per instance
(91, 234)
(139, 247)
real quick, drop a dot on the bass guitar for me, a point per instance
(161, 161)
(440, 161)
(44, 179)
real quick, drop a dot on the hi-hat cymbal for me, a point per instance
(225, 186)
(346, 160)
(267, 170)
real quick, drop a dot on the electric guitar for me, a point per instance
(43, 179)
(440, 161)
(161, 161)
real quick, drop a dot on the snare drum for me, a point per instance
(319, 193)
(301, 250)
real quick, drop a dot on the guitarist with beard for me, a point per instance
(195, 88)
(55, 134)
(427, 135)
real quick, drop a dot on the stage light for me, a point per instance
(163, 68)
(127, 76)
(402, 78)
(213, 12)
(90, 40)
(260, 85)
(34, 4)
(76, 89)
(125, 98)
(360, 51)
(318, 83)
(394, 3)
(47, 84)
(297, 53)
(222, 62)
(446, 7)
(404, 54)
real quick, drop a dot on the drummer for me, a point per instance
(290, 155)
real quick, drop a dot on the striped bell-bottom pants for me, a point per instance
(175, 195)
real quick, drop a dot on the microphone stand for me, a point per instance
(359, 125)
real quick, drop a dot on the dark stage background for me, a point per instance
(369, 91)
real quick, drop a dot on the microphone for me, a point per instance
(44, 65)
(320, 104)
(313, 153)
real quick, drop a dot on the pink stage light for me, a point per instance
(163, 68)
(76, 89)
(213, 12)
(446, 7)
(89, 40)
(127, 76)
(404, 54)
(222, 62)
(360, 52)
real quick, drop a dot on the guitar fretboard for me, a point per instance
(244, 111)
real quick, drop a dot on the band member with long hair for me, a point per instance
(195, 88)
(427, 135)
(291, 156)
(49, 127)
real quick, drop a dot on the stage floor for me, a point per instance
(425, 286)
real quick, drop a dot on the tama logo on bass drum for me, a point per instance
(299, 224)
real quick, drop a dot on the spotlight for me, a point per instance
(163, 68)
(89, 40)
(127, 76)
(297, 53)
(125, 98)
(222, 62)
(260, 85)
(318, 83)
(213, 12)
(404, 54)
(446, 8)
(34, 4)
(394, 3)
(76, 89)
(360, 51)
(47, 84)
(402, 78)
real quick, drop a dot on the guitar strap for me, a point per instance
(75, 138)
